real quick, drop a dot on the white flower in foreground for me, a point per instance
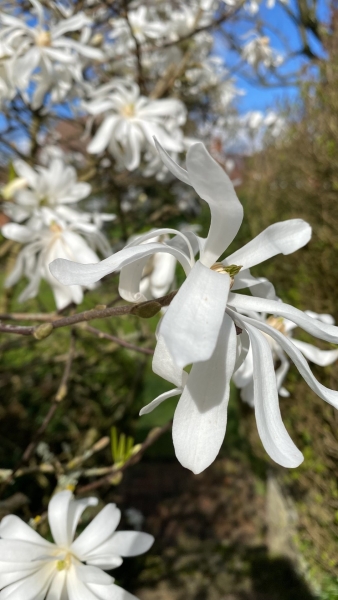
(32, 568)
(244, 376)
(53, 239)
(200, 325)
(131, 121)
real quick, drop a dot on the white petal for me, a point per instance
(312, 326)
(259, 286)
(91, 574)
(316, 355)
(77, 590)
(75, 510)
(18, 233)
(201, 414)
(164, 365)
(13, 528)
(173, 167)
(191, 325)
(33, 587)
(213, 185)
(330, 396)
(109, 592)
(322, 317)
(97, 532)
(103, 135)
(130, 280)
(271, 429)
(17, 551)
(58, 518)
(70, 273)
(150, 407)
(284, 238)
(130, 543)
(57, 588)
(24, 170)
(104, 561)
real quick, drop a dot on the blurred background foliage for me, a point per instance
(293, 176)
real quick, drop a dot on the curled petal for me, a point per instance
(213, 185)
(315, 327)
(271, 429)
(72, 273)
(284, 238)
(330, 396)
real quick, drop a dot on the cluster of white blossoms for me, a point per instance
(210, 326)
(131, 121)
(257, 51)
(45, 221)
(39, 49)
(32, 568)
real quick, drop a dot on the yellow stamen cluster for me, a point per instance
(43, 38)
(55, 228)
(128, 111)
(277, 323)
(64, 564)
(231, 270)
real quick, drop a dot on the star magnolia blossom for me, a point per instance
(43, 45)
(53, 186)
(244, 376)
(258, 51)
(131, 122)
(200, 325)
(52, 239)
(32, 568)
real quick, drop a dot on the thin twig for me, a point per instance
(152, 437)
(143, 309)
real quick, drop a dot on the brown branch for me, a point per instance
(144, 310)
(151, 438)
(138, 54)
(113, 338)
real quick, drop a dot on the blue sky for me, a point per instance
(259, 98)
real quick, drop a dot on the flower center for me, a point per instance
(277, 323)
(64, 564)
(43, 38)
(128, 111)
(232, 270)
(55, 228)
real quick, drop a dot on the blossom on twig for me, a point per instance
(35, 569)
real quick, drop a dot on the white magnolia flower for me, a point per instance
(51, 186)
(200, 325)
(44, 44)
(144, 23)
(244, 376)
(31, 568)
(258, 51)
(131, 121)
(52, 239)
